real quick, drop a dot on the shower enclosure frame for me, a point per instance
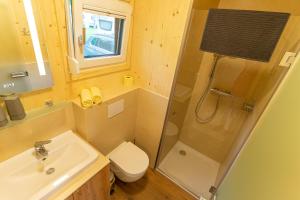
(214, 188)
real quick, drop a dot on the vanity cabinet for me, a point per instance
(97, 188)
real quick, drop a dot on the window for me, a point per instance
(98, 32)
(103, 35)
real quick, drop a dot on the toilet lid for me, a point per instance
(129, 158)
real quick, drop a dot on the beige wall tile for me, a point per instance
(149, 122)
(177, 112)
(105, 133)
(18, 138)
(142, 120)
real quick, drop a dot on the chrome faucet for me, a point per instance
(41, 152)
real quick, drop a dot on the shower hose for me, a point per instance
(207, 119)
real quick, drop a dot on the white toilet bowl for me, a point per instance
(128, 162)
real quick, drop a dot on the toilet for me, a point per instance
(128, 162)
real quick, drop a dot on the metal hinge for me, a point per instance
(19, 74)
(213, 191)
(288, 59)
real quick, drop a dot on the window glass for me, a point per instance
(102, 35)
(105, 25)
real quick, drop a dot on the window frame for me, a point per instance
(112, 8)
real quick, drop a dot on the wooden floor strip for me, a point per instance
(153, 186)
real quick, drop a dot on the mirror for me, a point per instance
(24, 65)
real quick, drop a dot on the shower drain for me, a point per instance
(182, 152)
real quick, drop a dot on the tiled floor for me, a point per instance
(193, 171)
(153, 186)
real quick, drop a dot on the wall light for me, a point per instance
(34, 36)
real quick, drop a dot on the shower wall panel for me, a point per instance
(188, 68)
(247, 81)
(290, 41)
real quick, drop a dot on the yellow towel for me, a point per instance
(86, 98)
(96, 95)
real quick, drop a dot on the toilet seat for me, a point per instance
(130, 159)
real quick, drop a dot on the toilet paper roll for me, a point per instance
(128, 81)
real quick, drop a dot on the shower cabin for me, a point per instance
(231, 63)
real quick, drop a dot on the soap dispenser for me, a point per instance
(14, 107)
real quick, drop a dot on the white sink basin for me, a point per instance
(20, 178)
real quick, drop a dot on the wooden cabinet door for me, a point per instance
(97, 188)
(70, 198)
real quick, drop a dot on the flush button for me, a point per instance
(115, 108)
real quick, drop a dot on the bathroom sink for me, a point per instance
(23, 177)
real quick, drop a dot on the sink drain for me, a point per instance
(182, 152)
(50, 171)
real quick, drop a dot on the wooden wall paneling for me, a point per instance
(157, 43)
(291, 6)
(50, 18)
(47, 14)
(17, 9)
(10, 50)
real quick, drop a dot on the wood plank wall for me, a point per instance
(50, 18)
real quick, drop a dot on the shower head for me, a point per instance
(242, 33)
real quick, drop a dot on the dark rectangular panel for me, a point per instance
(243, 33)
